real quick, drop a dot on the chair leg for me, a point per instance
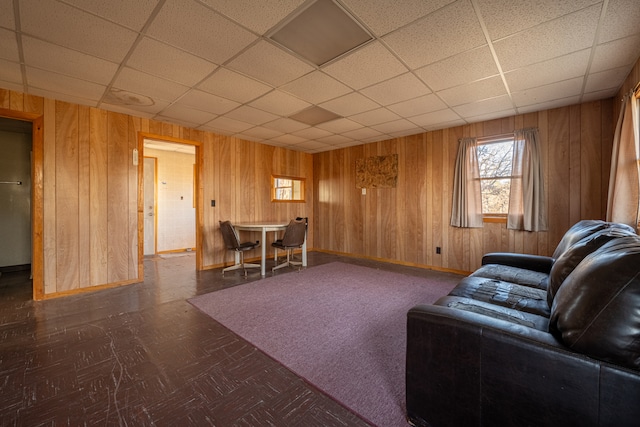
(241, 265)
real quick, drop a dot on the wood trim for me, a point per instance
(80, 291)
(37, 196)
(198, 195)
(394, 261)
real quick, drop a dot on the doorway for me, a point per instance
(170, 197)
(15, 194)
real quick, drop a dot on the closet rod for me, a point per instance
(11, 182)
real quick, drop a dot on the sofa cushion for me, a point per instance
(511, 315)
(582, 229)
(507, 273)
(596, 311)
(571, 257)
(504, 294)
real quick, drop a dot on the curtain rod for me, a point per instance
(490, 137)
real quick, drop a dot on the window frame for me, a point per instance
(495, 217)
(303, 189)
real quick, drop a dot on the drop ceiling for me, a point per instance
(212, 64)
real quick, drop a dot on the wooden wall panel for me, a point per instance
(98, 198)
(67, 201)
(117, 198)
(407, 223)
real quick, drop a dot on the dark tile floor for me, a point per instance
(142, 355)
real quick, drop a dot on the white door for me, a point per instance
(149, 206)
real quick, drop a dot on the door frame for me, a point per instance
(37, 195)
(198, 194)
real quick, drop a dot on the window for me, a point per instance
(495, 158)
(287, 189)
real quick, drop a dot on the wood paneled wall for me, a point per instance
(90, 211)
(405, 224)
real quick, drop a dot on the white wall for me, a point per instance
(176, 214)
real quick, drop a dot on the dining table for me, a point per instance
(264, 227)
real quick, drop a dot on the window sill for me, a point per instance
(499, 219)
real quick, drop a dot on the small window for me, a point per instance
(494, 160)
(287, 189)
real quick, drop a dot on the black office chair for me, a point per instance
(294, 237)
(232, 242)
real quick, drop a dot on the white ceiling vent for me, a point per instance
(321, 32)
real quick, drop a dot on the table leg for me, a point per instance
(264, 251)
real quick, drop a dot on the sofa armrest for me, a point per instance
(539, 263)
(464, 368)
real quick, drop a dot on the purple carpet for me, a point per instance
(342, 327)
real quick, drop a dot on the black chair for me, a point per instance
(294, 237)
(232, 242)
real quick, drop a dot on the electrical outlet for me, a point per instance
(213, 203)
(438, 250)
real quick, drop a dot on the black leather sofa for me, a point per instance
(534, 341)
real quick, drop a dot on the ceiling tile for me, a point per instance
(69, 86)
(6, 14)
(10, 72)
(498, 15)
(616, 54)
(184, 113)
(466, 67)
(261, 133)
(270, 64)
(75, 29)
(207, 102)
(622, 19)
(286, 125)
(339, 125)
(350, 104)
(312, 133)
(288, 139)
(227, 124)
(561, 68)
(384, 16)
(551, 92)
(444, 33)
(374, 64)
(397, 89)
(58, 96)
(147, 110)
(132, 14)
(363, 133)
(609, 79)
(159, 59)
(251, 115)
(234, 86)
(394, 126)
(335, 139)
(66, 61)
(472, 92)
(559, 37)
(148, 85)
(316, 87)
(501, 103)
(413, 107)
(258, 16)
(375, 117)
(485, 116)
(435, 117)
(556, 103)
(311, 146)
(280, 103)
(8, 46)
(596, 96)
(196, 27)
